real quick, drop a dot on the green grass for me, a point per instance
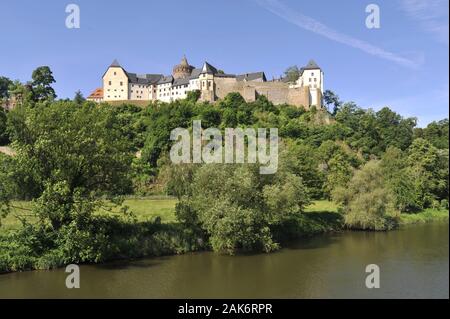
(144, 209)
(321, 212)
(19, 209)
(425, 216)
(322, 206)
(147, 209)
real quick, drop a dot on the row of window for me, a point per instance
(173, 93)
(110, 83)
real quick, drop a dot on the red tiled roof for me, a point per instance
(96, 94)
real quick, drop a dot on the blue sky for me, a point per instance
(403, 65)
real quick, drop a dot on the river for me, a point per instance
(413, 261)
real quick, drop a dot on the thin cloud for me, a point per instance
(317, 27)
(431, 14)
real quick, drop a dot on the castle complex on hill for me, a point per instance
(213, 84)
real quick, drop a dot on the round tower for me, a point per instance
(182, 70)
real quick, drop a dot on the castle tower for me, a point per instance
(182, 70)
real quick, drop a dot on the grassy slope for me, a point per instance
(323, 214)
(144, 209)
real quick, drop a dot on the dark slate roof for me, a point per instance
(224, 75)
(181, 81)
(166, 79)
(251, 76)
(195, 73)
(143, 78)
(115, 63)
(311, 65)
(208, 69)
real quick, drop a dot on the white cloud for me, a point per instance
(431, 14)
(310, 24)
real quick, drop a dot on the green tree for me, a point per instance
(68, 156)
(366, 202)
(429, 170)
(22, 92)
(394, 130)
(332, 101)
(161, 120)
(337, 163)
(237, 208)
(436, 133)
(303, 160)
(79, 98)
(42, 79)
(4, 87)
(3, 124)
(399, 180)
(210, 116)
(193, 96)
(292, 73)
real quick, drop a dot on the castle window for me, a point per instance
(315, 79)
(121, 83)
(312, 73)
(115, 73)
(109, 82)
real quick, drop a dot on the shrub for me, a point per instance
(367, 204)
(237, 208)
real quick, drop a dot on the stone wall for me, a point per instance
(276, 92)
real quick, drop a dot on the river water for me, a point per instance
(413, 261)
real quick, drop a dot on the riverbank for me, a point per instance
(146, 209)
(428, 215)
(413, 263)
(153, 232)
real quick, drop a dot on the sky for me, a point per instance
(402, 64)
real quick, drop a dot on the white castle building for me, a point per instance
(120, 85)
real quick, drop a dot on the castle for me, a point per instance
(213, 84)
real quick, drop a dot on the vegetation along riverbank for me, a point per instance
(70, 182)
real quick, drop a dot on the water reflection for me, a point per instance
(414, 264)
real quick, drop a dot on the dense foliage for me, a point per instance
(75, 159)
(236, 207)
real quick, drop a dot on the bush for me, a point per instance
(102, 239)
(366, 202)
(237, 208)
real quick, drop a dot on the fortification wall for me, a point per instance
(276, 92)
